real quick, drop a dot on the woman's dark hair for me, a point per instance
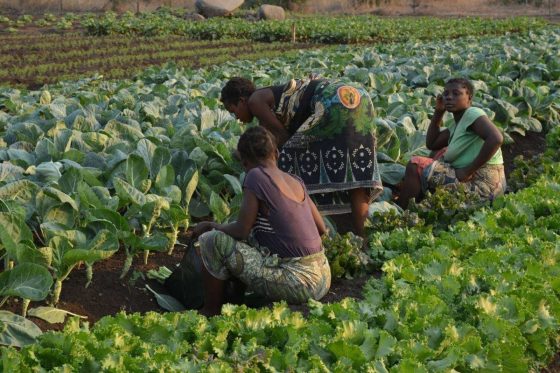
(256, 144)
(235, 89)
(463, 82)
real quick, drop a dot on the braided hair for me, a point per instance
(463, 82)
(256, 144)
(235, 89)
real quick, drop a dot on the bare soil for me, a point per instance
(457, 8)
(532, 143)
(38, 58)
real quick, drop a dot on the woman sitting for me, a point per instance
(467, 152)
(283, 258)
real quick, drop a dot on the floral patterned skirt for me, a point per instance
(489, 181)
(295, 280)
(333, 151)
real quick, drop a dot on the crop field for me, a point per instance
(121, 165)
(322, 29)
(32, 61)
(48, 49)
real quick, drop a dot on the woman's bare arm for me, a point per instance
(261, 104)
(319, 222)
(493, 139)
(435, 138)
(241, 228)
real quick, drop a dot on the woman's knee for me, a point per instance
(411, 174)
(208, 239)
(219, 242)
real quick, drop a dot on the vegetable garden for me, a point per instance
(48, 49)
(94, 168)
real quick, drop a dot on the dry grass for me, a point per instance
(492, 8)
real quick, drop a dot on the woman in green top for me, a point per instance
(467, 152)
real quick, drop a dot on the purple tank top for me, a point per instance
(289, 229)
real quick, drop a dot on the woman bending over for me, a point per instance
(326, 134)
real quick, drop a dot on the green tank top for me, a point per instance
(465, 145)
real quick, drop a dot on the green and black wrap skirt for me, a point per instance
(334, 149)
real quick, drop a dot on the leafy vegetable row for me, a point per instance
(333, 29)
(91, 166)
(33, 61)
(336, 30)
(482, 296)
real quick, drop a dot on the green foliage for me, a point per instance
(27, 281)
(371, 2)
(482, 296)
(553, 144)
(526, 171)
(286, 4)
(17, 331)
(537, 3)
(346, 256)
(97, 164)
(64, 24)
(436, 211)
(51, 315)
(334, 29)
(393, 219)
(447, 206)
(24, 19)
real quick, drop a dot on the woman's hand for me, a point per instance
(437, 139)
(493, 139)
(202, 227)
(440, 105)
(463, 174)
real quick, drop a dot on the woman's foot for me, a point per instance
(235, 292)
(209, 311)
